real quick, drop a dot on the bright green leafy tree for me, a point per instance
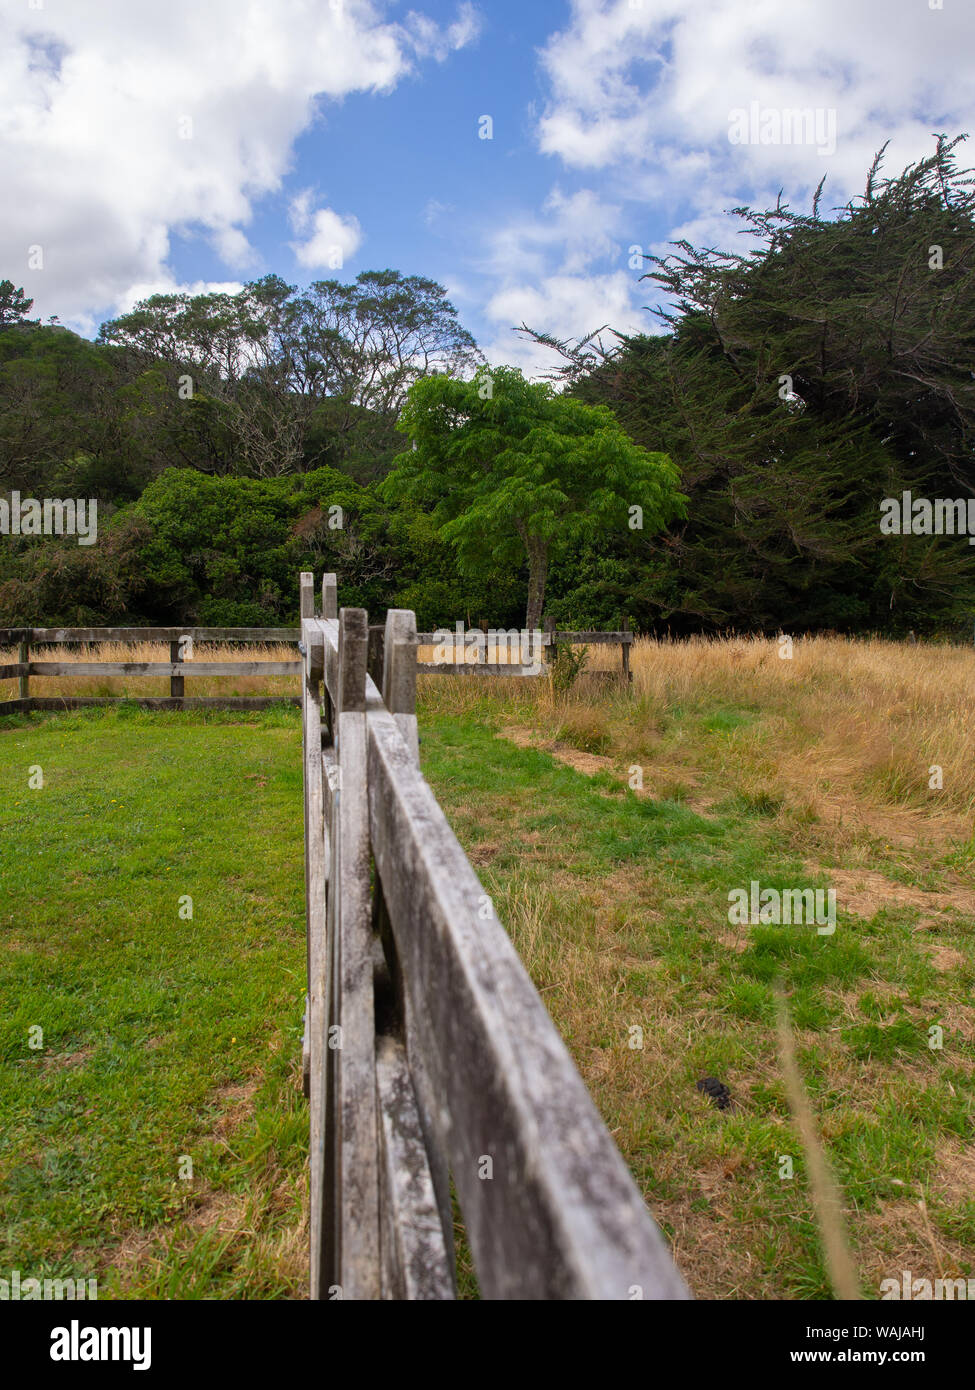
(515, 471)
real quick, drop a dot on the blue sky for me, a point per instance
(409, 164)
(203, 146)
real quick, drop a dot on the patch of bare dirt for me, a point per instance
(588, 763)
(482, 854)
(733, 942)
(958, 1020)
(943, 957)
(522, 738)
(223, 1212)
(866, 892)
(34, 948)
(237, 1103)
(133, 1249)
(955, 1173)
(59, 1060)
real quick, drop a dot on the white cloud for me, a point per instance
(430, 41)
(646, 88)
(572, 231)
(562, 270)
(565, 306)
(148, 288)
(122, 124)
(87, 324)
(330, 240)
(434, 211)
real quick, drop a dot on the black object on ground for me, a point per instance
(717, 1090)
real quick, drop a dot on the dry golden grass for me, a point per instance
(881, 713)
(850, 730)
(846, 724)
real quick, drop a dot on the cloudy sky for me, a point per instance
(153, 144)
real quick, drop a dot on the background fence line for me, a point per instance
(550, 640)
(177, 669)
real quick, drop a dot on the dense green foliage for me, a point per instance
(799, 385)
(793, 388)
(513, 471)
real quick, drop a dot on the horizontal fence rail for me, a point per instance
(176, 670)
(86, 636)
(549, 640)
(429, 1058)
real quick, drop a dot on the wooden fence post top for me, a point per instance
(330, 596)
(399, 674)
(314, 653)
(399, 662)
(353, 656)
(307, 591)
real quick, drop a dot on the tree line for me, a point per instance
(725, 471)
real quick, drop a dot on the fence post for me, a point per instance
(627, 673)
(330, 596)
(176, 683)
(399, 674)
(307, 594)
(350, 1209)
(23, 687)
(548, 641)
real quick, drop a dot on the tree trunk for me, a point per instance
(537, 574)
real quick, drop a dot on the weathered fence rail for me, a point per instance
(429, 1057)
(549, 640)
(177, 669)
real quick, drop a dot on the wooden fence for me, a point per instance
(177, 668)
(550, 640)
(429, 1058)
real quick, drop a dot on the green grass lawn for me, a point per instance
(167, 1038)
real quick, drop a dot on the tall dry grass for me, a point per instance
(875, 713)
(862, 720)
